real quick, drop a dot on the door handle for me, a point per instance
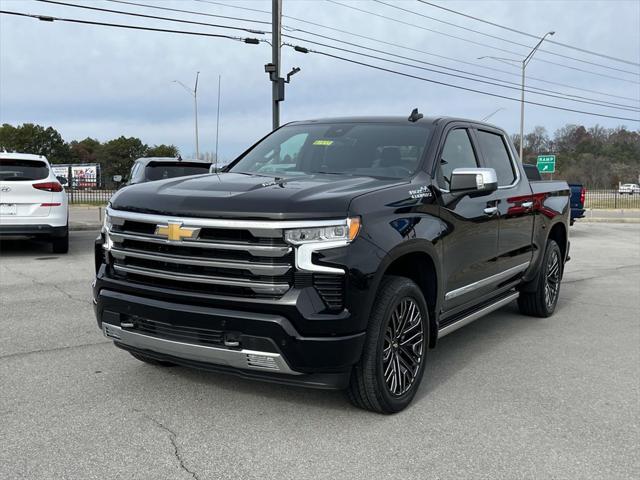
(490, 210)
(527, 204)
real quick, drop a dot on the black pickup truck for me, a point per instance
(332, 254)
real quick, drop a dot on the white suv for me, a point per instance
(32, 201)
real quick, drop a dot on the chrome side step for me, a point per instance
(477, 314)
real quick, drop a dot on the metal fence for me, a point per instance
(610, 199)
(90, 190)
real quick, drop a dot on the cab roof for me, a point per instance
(393, 119)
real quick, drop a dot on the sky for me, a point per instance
(102, 82)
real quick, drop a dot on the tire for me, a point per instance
(61, 244)
(400, 311)
(151, 361)
(542, 301)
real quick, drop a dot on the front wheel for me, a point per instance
(542, 301)
(386, 378)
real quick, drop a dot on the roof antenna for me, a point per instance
(415, 116)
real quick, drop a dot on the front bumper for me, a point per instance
(262, 346)
(40, 230)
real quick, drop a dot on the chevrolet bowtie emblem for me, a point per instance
(175, 231)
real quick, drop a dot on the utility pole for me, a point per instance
(276, 41)
(273, 68)
(194, 94)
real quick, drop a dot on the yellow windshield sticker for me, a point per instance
(323, 142)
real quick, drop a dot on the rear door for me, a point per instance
(18, 197)
(470, 242)
(513, 199)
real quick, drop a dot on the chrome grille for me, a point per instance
(226, 258)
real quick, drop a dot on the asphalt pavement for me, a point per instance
(507, 397)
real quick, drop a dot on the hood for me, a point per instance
(236, 195)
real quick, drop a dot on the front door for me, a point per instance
(470, 242)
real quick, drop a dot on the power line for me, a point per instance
(235, 6)
(188, 11)
(591, 100)
(47, 18)
(504, 39)
(517, 88)
(444, 57)
(459, 87)
(555, 42)
(480, 43)
(141, 15)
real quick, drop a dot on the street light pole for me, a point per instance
(218, 120)
(524, 64)
(195, 109)
(194, 94)
(492, 114)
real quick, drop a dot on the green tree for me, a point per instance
(85, 151)
(163, 151)
(35, 139)
(116, 156)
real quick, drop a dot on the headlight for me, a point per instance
(106, 227)
(106, 223)
(346, 231)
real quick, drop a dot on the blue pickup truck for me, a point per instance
(578, 192)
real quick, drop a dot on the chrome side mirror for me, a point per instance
(473, 180)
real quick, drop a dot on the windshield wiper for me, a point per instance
(332, 173)
(252, 174)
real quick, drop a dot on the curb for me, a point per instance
(81, 227)
(608, 220)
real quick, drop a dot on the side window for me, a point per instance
(457, 153)
(496, 156)
(134, 172)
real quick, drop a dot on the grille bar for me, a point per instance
(257, 287)
(254, 268)
(255, 250)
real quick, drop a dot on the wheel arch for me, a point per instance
(416, 262)
(558, 233)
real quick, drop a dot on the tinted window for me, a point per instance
(367, 149)
(457, 153)
(162, 170)
(494, 152)
(15, 170)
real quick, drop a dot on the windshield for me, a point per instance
(17, 170)
(162, 170)
(387, 150)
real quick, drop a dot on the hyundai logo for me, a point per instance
(5, 189)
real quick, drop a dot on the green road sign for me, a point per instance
(546, 163)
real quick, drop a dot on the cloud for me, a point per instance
(101, 82)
